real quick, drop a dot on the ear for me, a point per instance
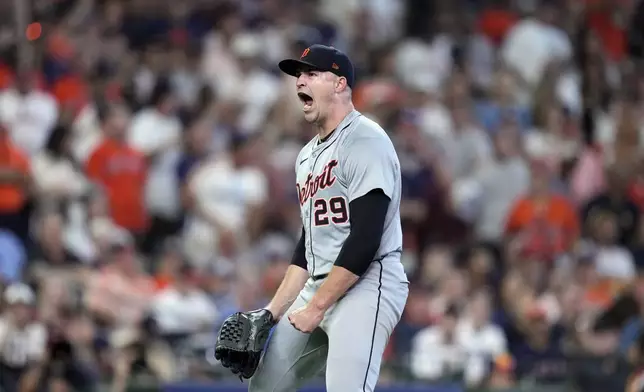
(340, 84)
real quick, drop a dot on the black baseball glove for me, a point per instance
(242, 339)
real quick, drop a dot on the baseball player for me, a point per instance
(346, 288)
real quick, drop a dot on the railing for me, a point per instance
(586, 374)
(239, 387)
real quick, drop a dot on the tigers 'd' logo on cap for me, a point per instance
(305, 53)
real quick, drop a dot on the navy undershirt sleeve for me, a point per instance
(299, 255)
(367, 217)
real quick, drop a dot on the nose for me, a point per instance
(300, 81)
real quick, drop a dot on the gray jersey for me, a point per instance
(357, 158)
(351, 339)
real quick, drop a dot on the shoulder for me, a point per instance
(369, 135)
(563, 202)
(18, 155)
(209, 168)
(253, 176)
(44, 98)
(144, 117)
(365, 127)
(166, 295)
(37, 329)
(495, 333)
(135, 152)
(102, 148)
(522, 203)
(427, 336)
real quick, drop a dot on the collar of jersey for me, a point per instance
(343, 124)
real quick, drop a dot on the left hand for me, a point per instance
(306, 318)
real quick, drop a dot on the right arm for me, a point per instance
(293, 282)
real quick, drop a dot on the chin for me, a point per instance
(311, 117)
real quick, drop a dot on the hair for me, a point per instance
(105, 110)
(347, 92)
(56, 140)
(162, 90)
(452, 310)
(188, 119)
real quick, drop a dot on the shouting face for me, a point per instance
(315, 90)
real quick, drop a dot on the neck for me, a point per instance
(333, 120)
(53, 249)
(115, 139)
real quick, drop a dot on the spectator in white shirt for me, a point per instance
(256, 89)
(22, 341)
(534, 42)
(227, 197)
(481, 340)
(219, 65)
(30, 114)
(436, 353)
(459, 346)
(56, 176)
(156, 131)
(612, 261)
(183, 308)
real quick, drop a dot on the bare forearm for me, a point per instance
(340, 280)
(30, 380)
(289, 289)
(255, 221)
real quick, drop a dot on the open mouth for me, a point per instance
(306, 99)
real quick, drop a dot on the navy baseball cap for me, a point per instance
(320, 58)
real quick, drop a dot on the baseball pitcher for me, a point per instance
(346, 288)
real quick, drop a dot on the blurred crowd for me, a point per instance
(147, 185)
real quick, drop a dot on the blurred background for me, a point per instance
(147, 187)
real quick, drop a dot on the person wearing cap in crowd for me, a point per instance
(23, 340)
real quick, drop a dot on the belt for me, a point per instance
(319, 277)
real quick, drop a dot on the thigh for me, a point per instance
(291, 357)
(358, 331)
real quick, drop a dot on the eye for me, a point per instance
(312, 73)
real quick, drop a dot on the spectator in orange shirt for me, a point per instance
(120, 170)
(544, 223)
(495, 22)
(15, 180)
